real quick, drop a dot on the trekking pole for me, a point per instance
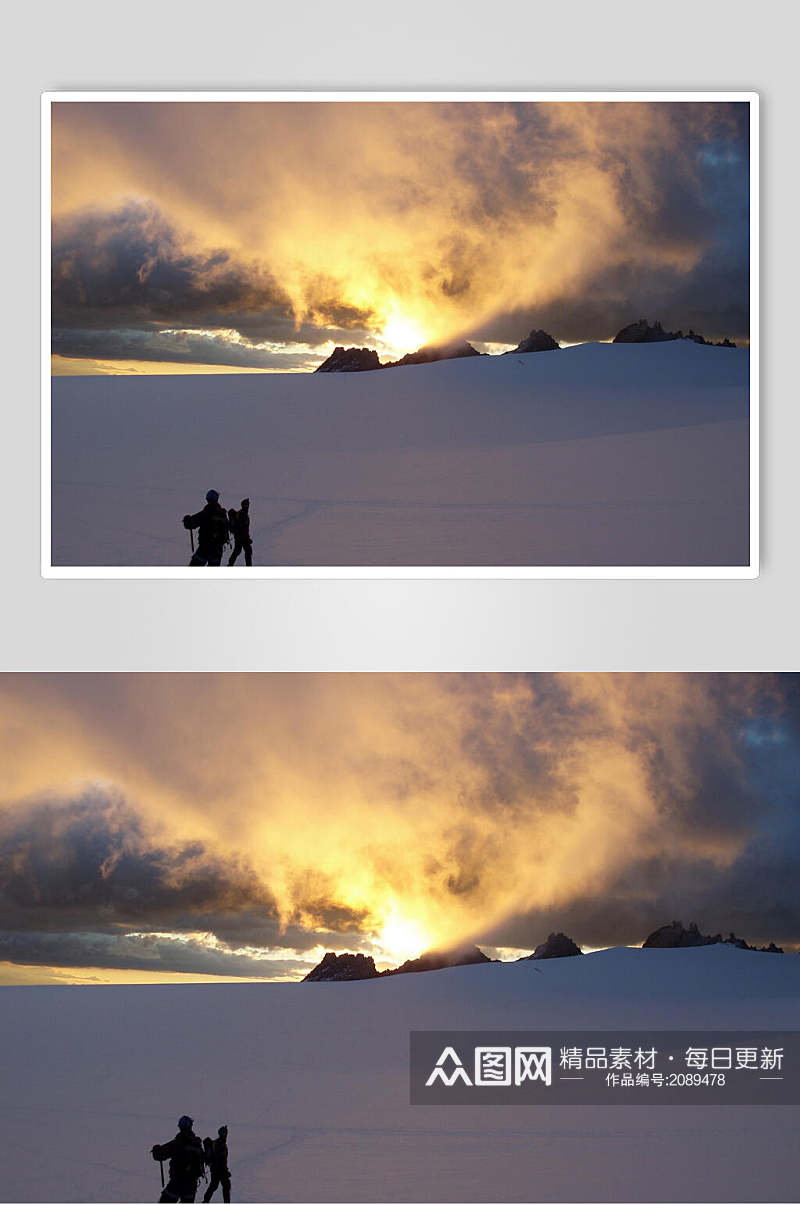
(161, 1165)
(191, 537)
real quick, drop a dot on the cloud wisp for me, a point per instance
(388, 223)
(218, 821)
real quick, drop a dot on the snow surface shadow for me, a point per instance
(599, 455)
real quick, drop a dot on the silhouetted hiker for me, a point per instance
(239, 523)
(217, 1160)
(212, 525)
(186, 1163)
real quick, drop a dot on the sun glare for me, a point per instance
(402, 334)
(401, 939)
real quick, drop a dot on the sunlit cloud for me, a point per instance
(392, 225)
(387, 814)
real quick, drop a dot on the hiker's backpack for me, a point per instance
(218, 527)
(208, 1148)
(193, 1160)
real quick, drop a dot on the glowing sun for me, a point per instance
(401, 938)
(402, 334)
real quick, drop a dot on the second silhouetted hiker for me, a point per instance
(212, 531)
(239, 523)
(186, 1163)
(217, 1160)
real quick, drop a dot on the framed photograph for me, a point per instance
(531, 322)
(265, 935)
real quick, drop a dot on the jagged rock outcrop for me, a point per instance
(437, 960)
(692, 335)
(695, 338)
(336, 968)
(535, 341)
(350, 359)
(733, 940)
(430, 354)
(643, 332)
(558, 945)
(674, 936)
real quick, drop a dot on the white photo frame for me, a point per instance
(48, 570)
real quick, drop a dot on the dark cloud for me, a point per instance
(76, 874)
(131, 263)
(741, 786)
(756, 898)
(712, 299)
(64, 863)
(686, 187)
(143, 952)
(734, 783)
(326, 311)
(695, 196)
(178, 347)
(497, 807)
(125, 285)
(484, 220)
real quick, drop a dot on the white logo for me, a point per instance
(440, 1073)
(532, 1063)
(494, 1066)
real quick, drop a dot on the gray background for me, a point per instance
(460, 625)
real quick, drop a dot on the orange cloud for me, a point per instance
(431, 217)
(370, 803)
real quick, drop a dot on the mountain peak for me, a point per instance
(350, 359)
(431, 353)
(536, 341)
(338, 968)
(675, 936)
(558, 945)
(438, 960)
(642, 332)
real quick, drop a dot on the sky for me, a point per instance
(257, 236)
(165, 827)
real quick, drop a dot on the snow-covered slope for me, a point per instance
(313, 1081)
(595, 455)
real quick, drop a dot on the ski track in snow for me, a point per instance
(313, 1081)
(594, 455)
